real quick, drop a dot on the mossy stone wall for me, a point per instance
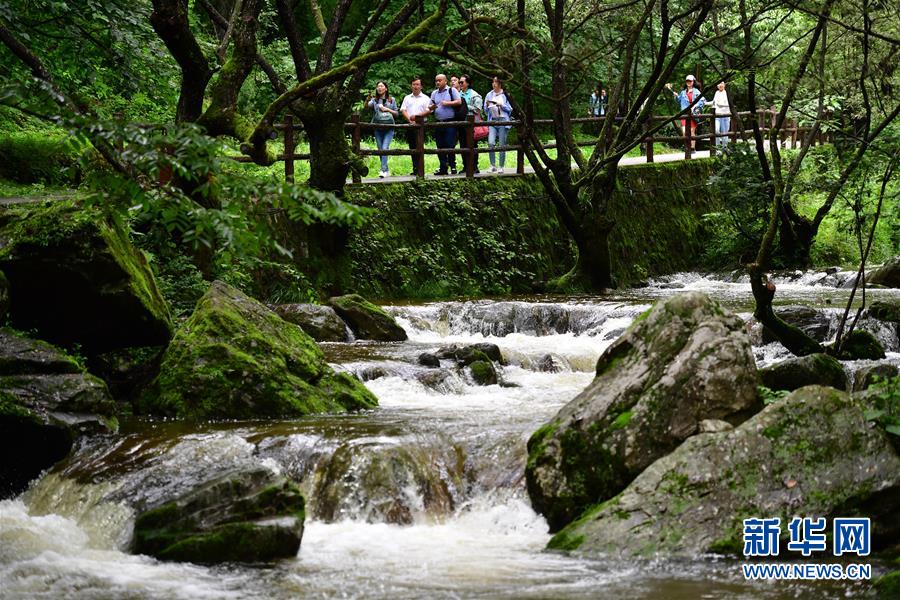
(500, 235)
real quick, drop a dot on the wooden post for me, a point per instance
(649, 139)
(520, 153)
(793, 133)
(471, 159)
(289, 148)
(687, 137)
(715, 137)
(355, 139)
(420, 145)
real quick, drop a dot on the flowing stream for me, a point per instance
(421, 498)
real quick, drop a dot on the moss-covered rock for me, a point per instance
(885, 309)
(483, 372)
(811, 454)
(127, 372)
(321, 323)
(685, 361)
(367, 321)
(47, 400)
(864, 377)
(246, 516)
(235, 359)
(887, 275)
(816, 323)
(862, 345)
(882, 403)
(798, 372)
(76, 278)
(888, 585)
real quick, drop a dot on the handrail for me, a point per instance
(765, 118)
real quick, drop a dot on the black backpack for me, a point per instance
(461, 112)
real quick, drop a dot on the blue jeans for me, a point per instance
(497, 137)
(445, 137)
(723, 126)
(383, 139)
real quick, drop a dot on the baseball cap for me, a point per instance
(689, 78)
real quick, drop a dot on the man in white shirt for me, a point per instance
(413, 105)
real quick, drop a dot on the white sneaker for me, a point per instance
(493, 169)
(382, 174)
(499, 169)
(387, 173)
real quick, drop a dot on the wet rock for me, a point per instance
(797, 372)
(4, 297)
(389, 483)
(437, 379)
(551, 363)
(464, 355)
(811, 454)
(815, 323)
(374, 372)
(503, 318)
(235, 359)
(714, 426)
(47, 401)
(887, 275)
(129, 371)
(75, 278)
(367, 321)
(615, 333)
(671, 285)
(245, 516)
(321, 323)
(426, 359)
(832, 270)
(866, 376)
(862, 345)
(887, 309)
(483, 372)
(492, 351)
(685, 360)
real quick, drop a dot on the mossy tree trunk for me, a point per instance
(331, 157)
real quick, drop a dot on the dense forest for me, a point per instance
(231, 318)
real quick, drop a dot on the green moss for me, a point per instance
(234, 358)
(483, 372)
(888, 585)
(621, 421)
(11, 409)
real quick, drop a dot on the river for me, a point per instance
(421, 498)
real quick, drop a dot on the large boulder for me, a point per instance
(811, 454)
(887, 275)
(47, 401)
(319, 322)
(862, 345)
(800, 371)
(247, 515)
(866, 376)
(684, 361)
(367, 321)
(75, 278)
(235, 359)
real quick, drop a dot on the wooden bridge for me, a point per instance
(790, 135)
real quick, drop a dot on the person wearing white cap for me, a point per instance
(689, 96)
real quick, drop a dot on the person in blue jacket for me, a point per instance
(499, 110)
(689, 96)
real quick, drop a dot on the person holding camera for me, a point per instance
(384, 109)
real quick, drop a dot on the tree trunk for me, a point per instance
(331, 158)
(795, 239)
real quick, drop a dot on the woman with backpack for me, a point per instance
(385, 110)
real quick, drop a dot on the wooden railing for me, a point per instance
(791, 134)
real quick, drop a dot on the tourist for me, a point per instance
(689, 97)
(444, 100)
(474, 103)
(723, 115)
(384, 109)
(598, 101)
(454, 82)
(498, 110)
(414, 105)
